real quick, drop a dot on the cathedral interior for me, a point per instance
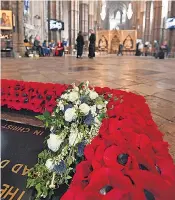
(146, 21)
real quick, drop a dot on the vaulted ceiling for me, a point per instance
(115, 6)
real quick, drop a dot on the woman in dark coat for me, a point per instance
(92, 40)
(80, 44)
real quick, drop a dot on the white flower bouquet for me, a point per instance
(73, 124)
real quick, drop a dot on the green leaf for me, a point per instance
(40, 117)
(30, 183)
(68, 177)
(69, 160)
(80, 85)
(46, 114)
(39, 189)
(50, 193)
(47, 124)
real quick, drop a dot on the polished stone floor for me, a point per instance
(154, 79)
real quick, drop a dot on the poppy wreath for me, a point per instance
(128, 159)
(33, 96)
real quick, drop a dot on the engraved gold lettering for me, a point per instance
(15, 128)
(21, 195)
(4, 163)
(4, 190)
(38, 132)
(25, 171)
(26, 130)
(21, 129)
(10, 193)
(10, 127)
(16, 168)
(5, 126)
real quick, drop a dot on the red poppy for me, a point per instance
(118, 157)
(150, 184)
(108, 177)
(89, 152)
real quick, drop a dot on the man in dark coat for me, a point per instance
(92, 40)
(120, 49)
(80, 44)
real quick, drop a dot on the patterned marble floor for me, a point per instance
(154, 79)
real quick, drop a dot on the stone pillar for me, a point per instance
(18, 33)
(96, 8)
(59, 16)
(157, 25)
(91, 15)
(84, 22)
(147, 21)
(73, 21)
(53, 16)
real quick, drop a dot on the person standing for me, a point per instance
(138, 53)
(92, 40)
(141, 48)
(120, 49)
(157, 48)
(80, 44)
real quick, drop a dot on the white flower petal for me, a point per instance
(54, 142)
(84, 108)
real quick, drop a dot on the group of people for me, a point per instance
(80, 45)
(156, 50)
(58, 49)
(46, 48)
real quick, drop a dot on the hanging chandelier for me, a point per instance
(129, 12)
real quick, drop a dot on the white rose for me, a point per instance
(73, 96)
(73, 138)
(100, 106)
(93, 110)
(49, 164)
(54, 142)
(93, 95)
(64, 96)
(84, 108)
(76, 89)
(70, 114)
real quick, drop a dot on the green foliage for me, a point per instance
(43, 176)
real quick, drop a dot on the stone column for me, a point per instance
(91, 15)
(157, 25)
(18, 33)
(53, 16)
(59, 16)
(84, 22)
(73, 21)
(49, 17)
(147, 21)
